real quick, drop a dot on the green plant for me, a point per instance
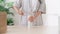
(10, 21)
(4, 7)
(1, 1)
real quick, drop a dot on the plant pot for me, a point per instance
(3, 22)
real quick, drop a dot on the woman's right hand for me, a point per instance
(21, 12)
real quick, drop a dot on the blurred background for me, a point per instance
(50, 19)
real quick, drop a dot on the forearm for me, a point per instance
(15, 8)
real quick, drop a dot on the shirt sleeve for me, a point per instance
(18, 4)
(42, 7)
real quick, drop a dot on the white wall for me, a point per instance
(53, 10)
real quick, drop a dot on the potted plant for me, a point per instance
(4, 11)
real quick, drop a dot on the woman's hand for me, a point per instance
(37, 13)
(21, 12)
(31, 18)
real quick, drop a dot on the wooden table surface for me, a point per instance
(32, 30)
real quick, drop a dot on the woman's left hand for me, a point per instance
(37, 13)
(31, 18)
